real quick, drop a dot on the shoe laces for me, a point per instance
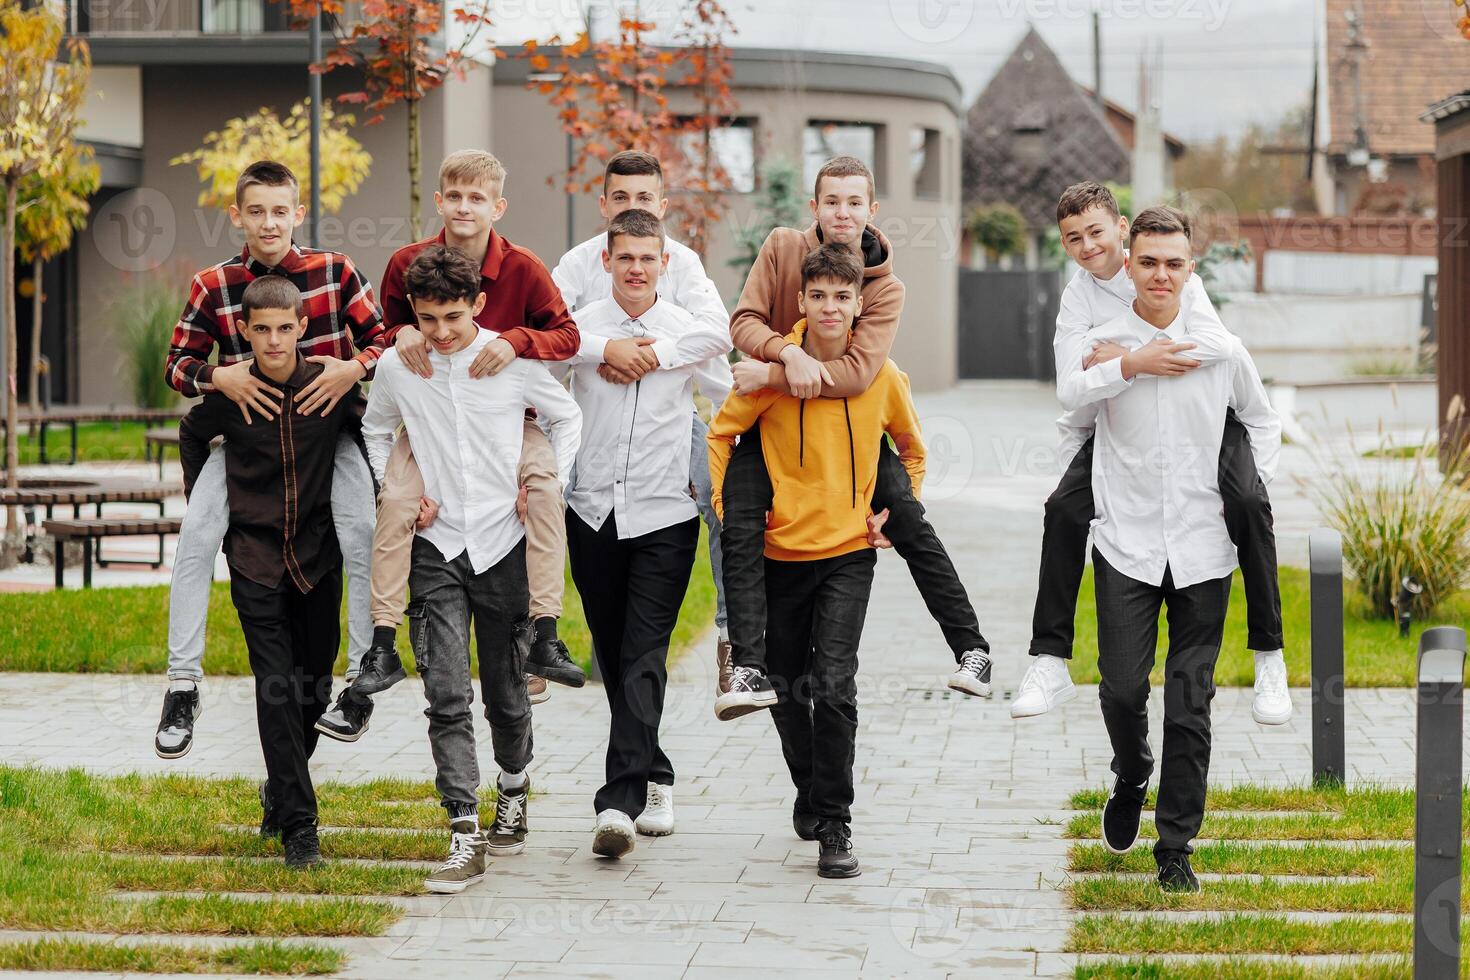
(1034, 679)
(1271, 679)
(834, 834)
(973, 661)
(742, 676)
(461, 850)
(177, 716)
(656, 798)
(508, 811)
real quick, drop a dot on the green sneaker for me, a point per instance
(465, 864)
(507, 835)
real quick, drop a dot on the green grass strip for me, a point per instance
(1395, 969)
(1237, 933)
(275, 959)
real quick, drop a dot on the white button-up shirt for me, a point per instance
(634, 460)
(1155, 467)
(466, 437)
(582, 281)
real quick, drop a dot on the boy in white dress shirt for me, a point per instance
(634, 179)
(1094, 234)
(632, 523)
(1160, 539)
(469, 564)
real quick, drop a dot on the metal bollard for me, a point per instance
(1329, 751)
(1438, 786)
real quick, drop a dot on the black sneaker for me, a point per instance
(348, 719)
(381, 669)
(302, 848)
(548, 658)
(507, 835)
(835, 859)
(972, 676)
(1175, 874)
(805, 824)
(268, 826)
(749, 691)
(1121, 816)
(175, 735)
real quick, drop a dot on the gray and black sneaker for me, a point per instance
(1175, 874)
(972, 676)
(549, 658)
(175, 735)
(507, 835)
(465, 864)
(381, 669)
(348, 719)
(302, 847)
(268, 826)
(835, 859)
(749, 691)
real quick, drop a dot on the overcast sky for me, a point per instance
(1225, 62)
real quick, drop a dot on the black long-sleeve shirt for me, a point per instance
(278, 479)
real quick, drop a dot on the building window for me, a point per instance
(732, 148)
(925, 159)
(244, 16)
(826, 139)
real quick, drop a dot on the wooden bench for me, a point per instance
(158, 441)
(90, 531)
(73, 415)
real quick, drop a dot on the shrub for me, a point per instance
(999, 229)
(147, 317)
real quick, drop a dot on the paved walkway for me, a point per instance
(959, 809)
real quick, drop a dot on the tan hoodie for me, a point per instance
(767, 309)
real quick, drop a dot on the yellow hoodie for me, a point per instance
(822, 454)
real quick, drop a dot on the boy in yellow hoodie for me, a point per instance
(822, 455)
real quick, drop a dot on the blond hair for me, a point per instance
(472, 167)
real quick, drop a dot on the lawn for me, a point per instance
(1374, 656)
(1321, 850)
(124, 630)
(97, 442)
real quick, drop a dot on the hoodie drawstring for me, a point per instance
(851, 453)
(801, 433)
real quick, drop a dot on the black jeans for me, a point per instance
(1069, 513)
(445, 598)
(292, 639)
(1127, 633)
(631, 593)
(817, 610)
(747, 498)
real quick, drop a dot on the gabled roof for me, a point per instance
(1123, 122)
(1413, 56)
(1032, 133)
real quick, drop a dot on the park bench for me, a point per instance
(92, 532)
(158, 441)
(73, 415)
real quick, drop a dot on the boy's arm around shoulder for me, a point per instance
(382, 415)
(197, 430)
(735, 417)
(901, 421)
(1203, 328)
(872, 341)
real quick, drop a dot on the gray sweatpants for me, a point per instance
(203, 532)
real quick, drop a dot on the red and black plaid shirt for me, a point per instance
(340, 310)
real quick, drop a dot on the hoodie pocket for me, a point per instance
(418, 633)
(808, 518)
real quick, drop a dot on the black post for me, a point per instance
(314, 93)
(1329, 752)
(1437, 808)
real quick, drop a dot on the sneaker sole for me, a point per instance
(508, 849)
(611, 842)
(1068, 695)
(728, 706)
(451, 887)
(822, 873)
(187, 745)
(1261, 718)
(967, 685)
(559, 675)
(659, 832)
(372, 687)
(541, 698)
(338, 735)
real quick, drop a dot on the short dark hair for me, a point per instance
(270, 293)
(844, 167)
(1160, 220)
(1087, 194)
(631, 163)
(442, 274)
(266, 172)
(636, 223)
(832, 262)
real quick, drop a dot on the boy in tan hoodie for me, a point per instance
(842, 204)
(818, 561)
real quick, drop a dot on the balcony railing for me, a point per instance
(143, 17)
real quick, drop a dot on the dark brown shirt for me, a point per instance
(278, 478)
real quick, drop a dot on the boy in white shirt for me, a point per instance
(634, 179)
(632, 524)
(469, 564)
(1160, 540)
(1093, 233)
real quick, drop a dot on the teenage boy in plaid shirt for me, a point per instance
(345, 334)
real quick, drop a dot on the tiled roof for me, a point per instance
(1032, 133)
(1414, 57)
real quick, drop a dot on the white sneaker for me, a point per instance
(614, 834)
(1046, 685)
(1272, 703)
(657, 818)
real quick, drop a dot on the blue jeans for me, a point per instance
(699, 476)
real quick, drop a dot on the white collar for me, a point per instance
(467, 353)
(1147, 331)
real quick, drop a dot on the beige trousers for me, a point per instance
(398, 510)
